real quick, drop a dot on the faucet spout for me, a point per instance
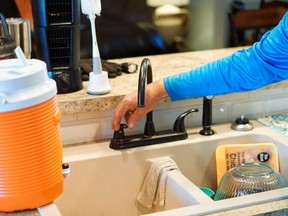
(145, 74)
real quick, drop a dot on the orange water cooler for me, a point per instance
(30, 143)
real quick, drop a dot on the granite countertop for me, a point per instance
(22, 213)
(162, 65)
(274, 208)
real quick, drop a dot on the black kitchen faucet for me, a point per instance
(149, 136)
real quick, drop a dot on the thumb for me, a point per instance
(133, 117)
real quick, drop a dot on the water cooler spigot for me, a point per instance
(66, 170)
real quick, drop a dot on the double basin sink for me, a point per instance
(107, 182)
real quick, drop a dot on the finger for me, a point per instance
(120, 112)
(128, 121)
(116, 120)
(133, 117)
(129, 103)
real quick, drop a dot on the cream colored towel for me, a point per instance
(154, 185)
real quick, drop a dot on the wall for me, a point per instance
(85, 127)
(208, 26)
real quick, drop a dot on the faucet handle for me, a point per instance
(120, 135)
(179, 126)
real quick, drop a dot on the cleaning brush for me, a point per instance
(92, 8)
(98, 79)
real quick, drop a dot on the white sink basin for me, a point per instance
(106, 182)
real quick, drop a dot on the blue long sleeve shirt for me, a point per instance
(264, 63)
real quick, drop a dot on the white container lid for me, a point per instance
(23, 86)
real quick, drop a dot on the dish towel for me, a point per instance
(154, 185)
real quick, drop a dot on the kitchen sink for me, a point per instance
(106, 182)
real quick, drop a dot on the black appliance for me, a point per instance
(57, 39)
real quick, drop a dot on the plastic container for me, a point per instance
(30, 142)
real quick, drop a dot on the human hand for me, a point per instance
(129, 110)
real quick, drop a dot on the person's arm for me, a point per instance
(264, 63)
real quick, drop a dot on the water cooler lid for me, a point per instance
(24, 86)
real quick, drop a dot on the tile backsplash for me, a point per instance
(92, 126)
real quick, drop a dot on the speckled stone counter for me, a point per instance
(275, 208)
(162, 65)
(22, 213)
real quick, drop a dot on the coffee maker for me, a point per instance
(57, 39)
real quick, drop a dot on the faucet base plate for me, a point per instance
(139, 140)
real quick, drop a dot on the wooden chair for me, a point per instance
(256, 22)
(269, 4)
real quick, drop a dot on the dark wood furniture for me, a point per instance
(255, 22)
